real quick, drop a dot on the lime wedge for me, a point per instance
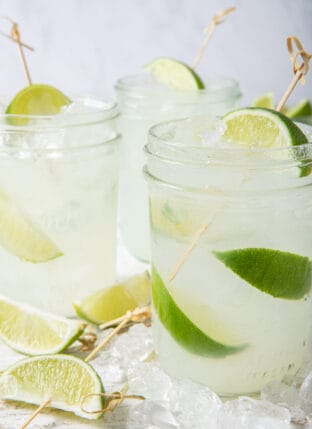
(36, 99)
(265, 100)
(264, 128)
(64, 379)
(19, 237)
(175, 74)
(280, 274)
(181, 328)
(32, 332)
(303, 108)
(113, 302)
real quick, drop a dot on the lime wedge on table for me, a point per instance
(175, 74)
(113, 302)
(36, 99)
(181, 328)
(20, 237)
(264, 128)
(64, 379)
(280, 274)
(32, 332)
(265, 100)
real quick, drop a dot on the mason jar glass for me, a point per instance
(144, 102)
(58, 197)
(231, 256)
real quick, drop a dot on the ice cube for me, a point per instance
(249, 413)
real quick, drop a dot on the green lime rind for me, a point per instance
(273, 129)
(114, 301)
(175, 74)
(280, 274)
(67, 380)
(182, 329)
(32, 332)
(35, 99)
(21, 238)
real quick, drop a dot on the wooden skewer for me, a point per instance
(38, 410)
(300, 70)
(17, 38)
(218, 18)
(125, 319)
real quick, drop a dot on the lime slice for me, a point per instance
(303, 108)
(36, 99)
(265, 100)
(181, 328)
(264, 128)
(64, 379)
(112, 302)
(175, 74)
(19, 237)
(32, 332)
(280, 274)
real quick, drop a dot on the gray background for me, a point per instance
(83, 46)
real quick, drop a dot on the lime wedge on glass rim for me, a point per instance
(303, 108)
(32, 332)
(35, 99)
(175, 74)
(70, 383)
(264, 128)
(114, 301)
(265, 100)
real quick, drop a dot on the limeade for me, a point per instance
(237, 313)
(145, 101)
(58, 189)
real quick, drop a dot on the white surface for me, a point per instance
(84, 46)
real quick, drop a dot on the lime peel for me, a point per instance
(280, 274)
(182, 329)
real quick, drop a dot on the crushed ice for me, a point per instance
(171, 403)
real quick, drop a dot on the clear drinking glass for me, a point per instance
(144, 102)
(206, 200)
(58, 193)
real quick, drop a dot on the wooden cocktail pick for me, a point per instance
(114, 399)
(218, 18)
(300, 70)
(15, 36)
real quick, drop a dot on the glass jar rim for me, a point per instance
(165, 147)
(137, 86)
(104, 110)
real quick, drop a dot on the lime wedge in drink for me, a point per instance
(32, 332)
(66, 380)
(264, 128)
(21, 238)
(113, 302)
(265, 100)
(36, 99)
(280, 274)
(175, 74)
(182, 329)
(303, 108)
(177, 219)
